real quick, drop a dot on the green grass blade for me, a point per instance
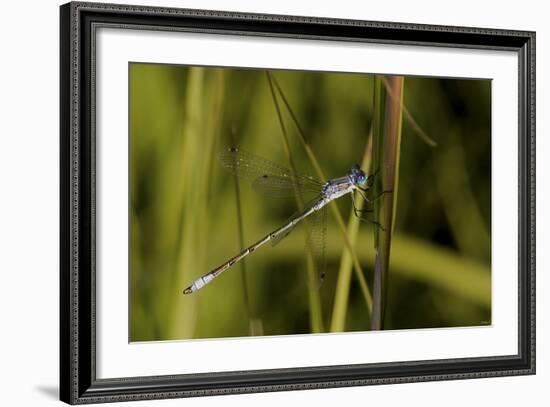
(242, 264)
(339, 310)
(193, 194)
(343, 281)
(316, 316)
(419, 131)
(388, 114)
(422, 261)
(471, 233)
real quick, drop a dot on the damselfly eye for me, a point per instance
(360, 179)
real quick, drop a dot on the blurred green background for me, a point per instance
(183, 204)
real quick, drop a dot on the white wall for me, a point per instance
(29, 162)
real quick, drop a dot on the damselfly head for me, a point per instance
(358, 175)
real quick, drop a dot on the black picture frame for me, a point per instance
(78, 382)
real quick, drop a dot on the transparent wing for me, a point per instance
(277, 186)
(316, 241)
(277, 239)
(316, 228)
(267, 177)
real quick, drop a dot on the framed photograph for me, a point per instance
(254, 203)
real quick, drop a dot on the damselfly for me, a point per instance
(268, 177)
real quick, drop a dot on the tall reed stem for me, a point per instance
(388, 114)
